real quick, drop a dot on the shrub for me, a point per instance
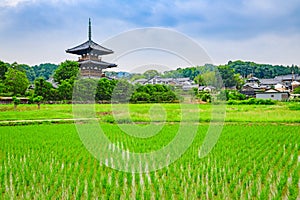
(204, 96)
(252, 101)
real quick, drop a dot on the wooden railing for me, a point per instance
(89, 57)
(91, 73)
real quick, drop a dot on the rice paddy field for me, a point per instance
(257, 155)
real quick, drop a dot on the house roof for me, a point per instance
(10, 98)
(52, 82)
(268, 82)
(288, 77)
(143, 80)
(295, 83)
(252, 85)
(183, 79)
(271, 91)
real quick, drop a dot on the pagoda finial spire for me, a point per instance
(90, 30)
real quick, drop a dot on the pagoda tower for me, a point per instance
(90, 62)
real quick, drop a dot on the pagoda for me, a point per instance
(90, 62)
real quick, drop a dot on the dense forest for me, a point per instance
(33, 81)
(262, 70)
(45, 70)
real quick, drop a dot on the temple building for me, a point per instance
(90, 62)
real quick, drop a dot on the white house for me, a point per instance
(273, 94)
(280, 87)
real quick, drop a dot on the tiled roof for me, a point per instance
(89, 46)
(97, 63)
(268, 81)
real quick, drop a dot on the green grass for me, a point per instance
(249, 161)
(281, 112)
(27, 112)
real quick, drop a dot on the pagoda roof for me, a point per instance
(89, 47)
(97, 63)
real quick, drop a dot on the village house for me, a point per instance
(273, 94)
(275, 88)
(167, 81)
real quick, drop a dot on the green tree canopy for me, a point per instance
(227, 75)
(247, 69)
(105, 88)
(16, 81)
(45, 70)
(29, 72)
(199, 80)
(38, 101)
(65, 90)
(153, 93)
(43, 88)
(151, 73)
(122, 91)
(85, 89)
(66, 70)
(3, 69)
(297, 90)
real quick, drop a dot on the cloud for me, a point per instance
(15, 3)
(12, 3)
(28, 22)
(268, 48)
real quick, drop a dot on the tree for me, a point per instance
(66, 70)
(136, 77)
(44, 70)
(140, 96)
(85, 90)
(239, 81)
(2, 86)
(153, 93)
(65, 90)
(105, 88)
(227, 75)
(16, 102)
(199, 80)
(123, 91)
(16, 81)
(43, 88)
(3, 69)
(204, 96)
(150, 73)
(29, 72)
(38, 100)
(231, 95)
(16, 66)
(297, 90)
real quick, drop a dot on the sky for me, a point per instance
(263, 31)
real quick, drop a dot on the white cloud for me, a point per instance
(269, 48)
(12, 3)
(15, 3)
